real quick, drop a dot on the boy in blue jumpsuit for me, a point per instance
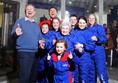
(98, 55)
(73, 20)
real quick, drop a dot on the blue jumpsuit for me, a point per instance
(52, 34)
(70, 39)
(61, 68)
(42, 66)
(76, 76)
(72, 31)
(98, 56)
(84, 37)
(50, 46)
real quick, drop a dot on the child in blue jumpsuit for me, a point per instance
(59, 61)
(42, 67)
(98, 55)
(82, 49)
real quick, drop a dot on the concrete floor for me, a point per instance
(12, 77)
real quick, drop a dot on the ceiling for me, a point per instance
(88, 5)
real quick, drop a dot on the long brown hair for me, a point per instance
(53, 20)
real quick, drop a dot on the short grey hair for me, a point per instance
(66, 23)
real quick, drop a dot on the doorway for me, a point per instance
(9, 13)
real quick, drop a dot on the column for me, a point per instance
(101, 12)
(63, 7)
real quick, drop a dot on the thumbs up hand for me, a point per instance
(70, 55)
(48, 57)
(18, 30)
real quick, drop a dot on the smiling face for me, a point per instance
(44, 28)
(65, 30)
(92, 19)
(73, 20)
(56, 24)
(30, 11)
(60, 48)
(52, 12)
(82, 24)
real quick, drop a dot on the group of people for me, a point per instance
(112, 35)
(60, 51)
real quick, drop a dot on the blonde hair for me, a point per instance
(92, 14)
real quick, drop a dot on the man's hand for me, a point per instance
(18, 30)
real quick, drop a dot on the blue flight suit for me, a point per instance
(70, 39)
(84, 37)
(42, 66)
(61, 68)
(50, 46)
(98, 56)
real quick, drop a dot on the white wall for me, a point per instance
(41, 13)
(104, 18)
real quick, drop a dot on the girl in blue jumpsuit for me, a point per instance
(54, 30)
(98, 55)
(59, 61)
(42, 67)
(55, 25)
(83, 48)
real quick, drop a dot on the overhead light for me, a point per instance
(50, 0)
(95, 6)
(70, 2)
